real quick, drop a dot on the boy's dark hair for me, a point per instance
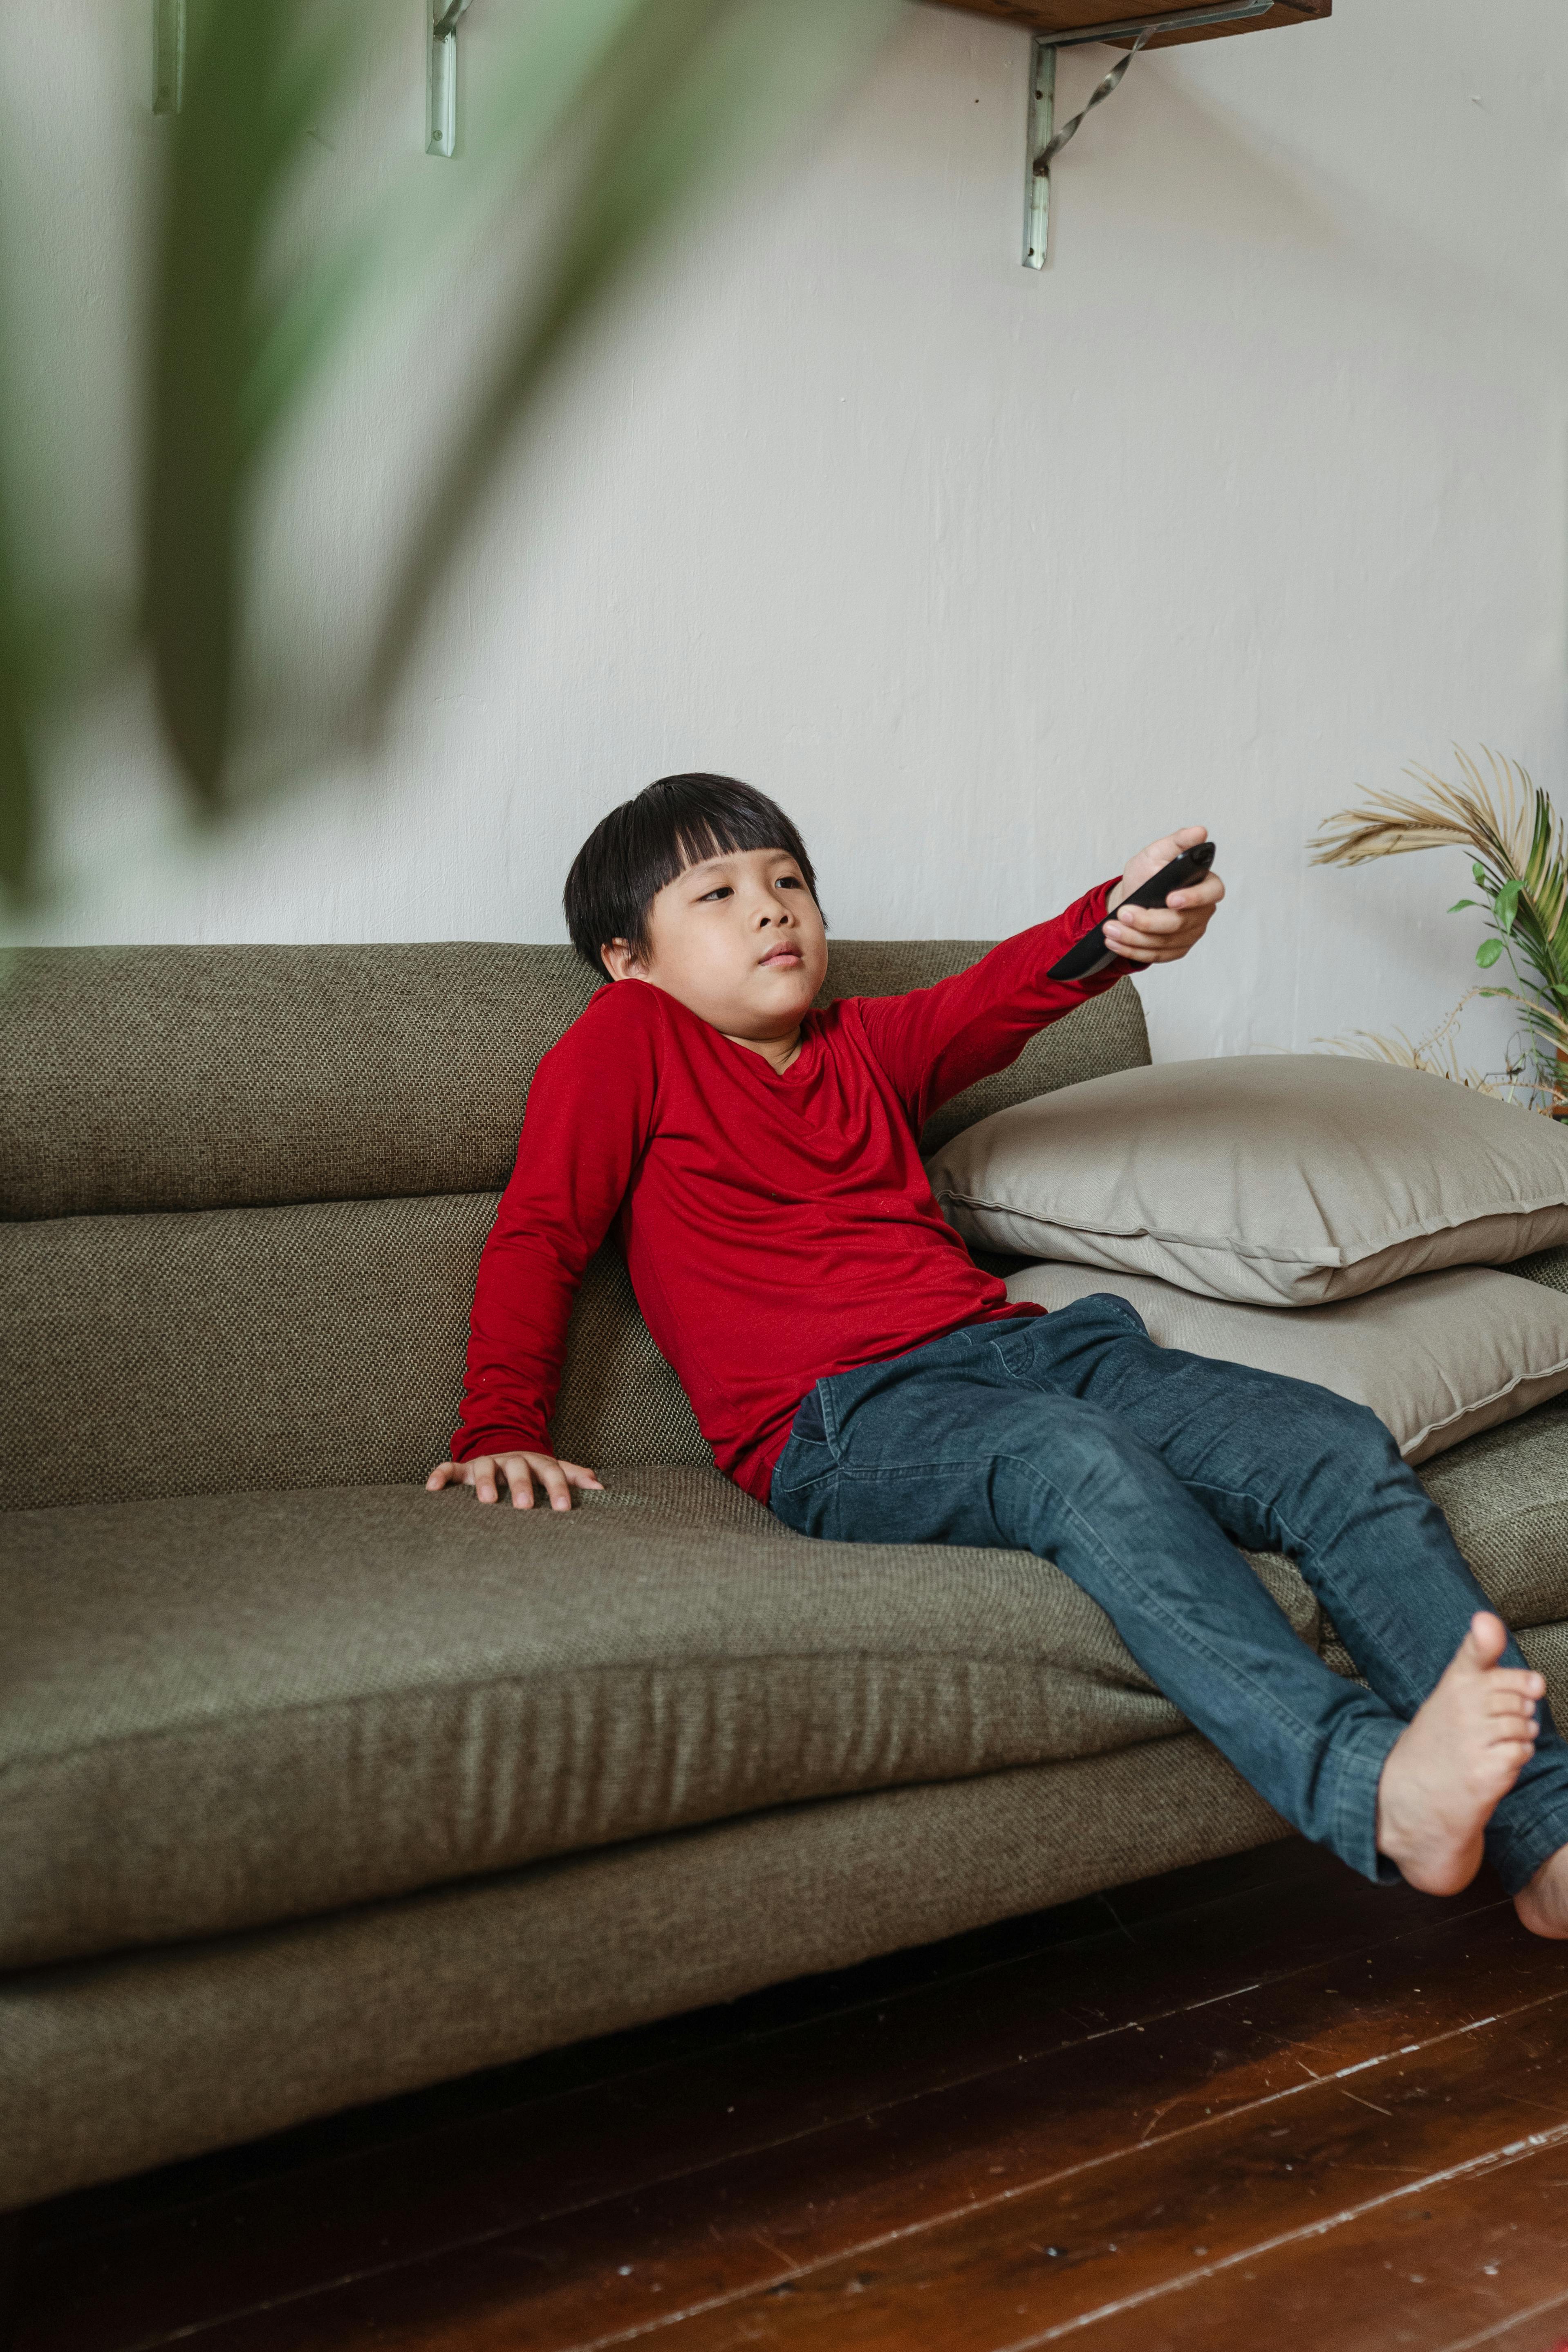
(646, 843)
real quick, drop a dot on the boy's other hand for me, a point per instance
(488, 1471)
(1163, 934)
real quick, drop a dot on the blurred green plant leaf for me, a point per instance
(18, 793)
(258, 77)
(1505, 906)
(690, 90)
(558, 48)
(1487, 953)
(18, 683)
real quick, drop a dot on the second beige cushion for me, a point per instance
(1287, 1180)
(1436, 1358)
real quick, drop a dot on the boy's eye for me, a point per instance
(726, 890)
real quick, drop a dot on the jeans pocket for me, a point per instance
(809, 1456)
(804, 1481)
(809, 1426)
(1047, 1340)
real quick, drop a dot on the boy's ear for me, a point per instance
(620, 959)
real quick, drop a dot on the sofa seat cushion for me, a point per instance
(220, 1711)
(1505, 1495)
(217, 1712)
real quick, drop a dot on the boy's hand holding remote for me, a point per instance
(1163, 934)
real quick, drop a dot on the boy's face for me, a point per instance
(738, 939)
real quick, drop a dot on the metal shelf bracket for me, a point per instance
(1046, 142)
(441, 77)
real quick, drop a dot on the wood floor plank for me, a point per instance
(1439, 2265)
(387, 2207)
(1046, 2262)
(1524, 2332)
(819, 2221)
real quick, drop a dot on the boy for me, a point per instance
(851, 1366)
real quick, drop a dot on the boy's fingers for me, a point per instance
(1157, 921)
(518, 1472)
(1207, 893)
(1163, 945)
(1170, 845)
(485, 1472)
(1170, 952)
(1184, 907)
(552, 1479)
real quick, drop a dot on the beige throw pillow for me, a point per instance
(1283, 1178)
(1436, 1358)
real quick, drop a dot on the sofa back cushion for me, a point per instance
(219, 1077)
(246, 1188)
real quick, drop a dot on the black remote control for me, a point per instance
(1091, 954)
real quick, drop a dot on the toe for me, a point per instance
(1487, 1639)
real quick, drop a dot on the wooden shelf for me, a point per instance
(1047, 17)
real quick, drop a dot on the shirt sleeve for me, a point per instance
(590, 1112)
(936, 1041)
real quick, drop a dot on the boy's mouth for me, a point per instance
(781, 955)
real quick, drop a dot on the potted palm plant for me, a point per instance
(1518, 863)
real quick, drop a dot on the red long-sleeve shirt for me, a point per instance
(777, 1229)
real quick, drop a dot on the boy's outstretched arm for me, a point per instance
(584, 1130)
(935, 1042)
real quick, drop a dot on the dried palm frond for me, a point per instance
(1437, 1054)
(1498, 818)
(1373, 1046)
(1519, 859)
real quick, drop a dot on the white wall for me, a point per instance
(1255, 494)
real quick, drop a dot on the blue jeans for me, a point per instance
(1138, 1469)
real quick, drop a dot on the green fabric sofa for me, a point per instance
(316, 1788)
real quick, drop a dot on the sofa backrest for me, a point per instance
(246, 1190)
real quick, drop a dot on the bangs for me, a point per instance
(727, 835)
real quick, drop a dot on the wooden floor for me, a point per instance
(1257, 2103)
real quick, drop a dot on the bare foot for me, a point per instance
(1452, 1766)
(1543, 1903)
